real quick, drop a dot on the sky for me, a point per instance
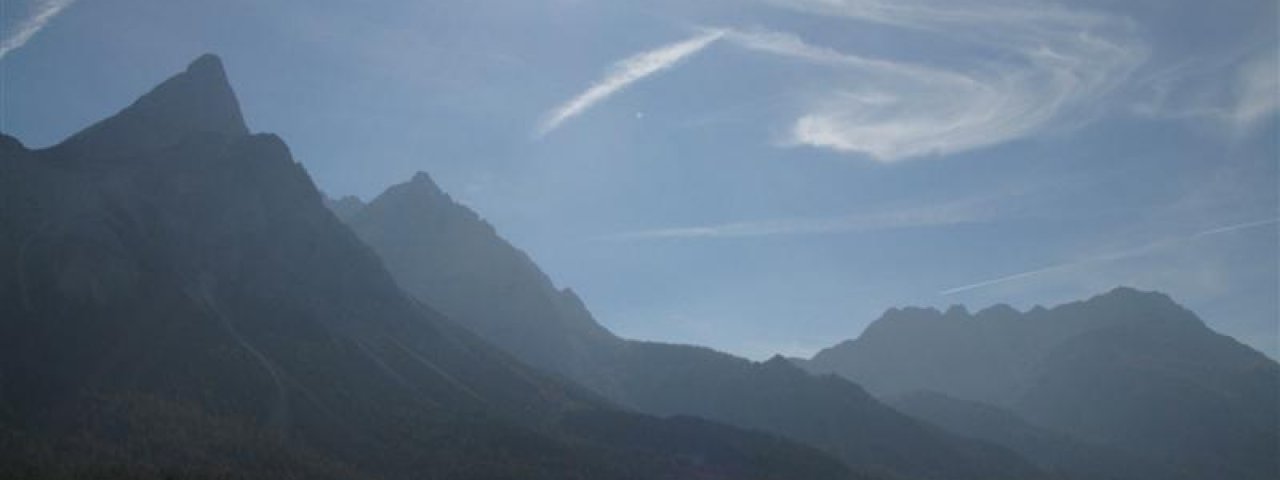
(758, 176)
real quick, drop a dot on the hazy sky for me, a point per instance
(758, 176)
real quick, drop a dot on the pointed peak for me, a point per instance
(421, 178)
(200, 99)
(346, 207)
(422, 185)
(207, 64)
(197, 101)
(777, 361)
(418, 191)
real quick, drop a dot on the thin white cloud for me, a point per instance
(1257, 91)
(1110, 257)
(1048, 64)
(41, 13)
(1238, 94)
(1236, 227)
(625, 73)
(789, 45)
(954, 213)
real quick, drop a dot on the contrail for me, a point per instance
(1111, 256)
(1232, 228)
(957, 212)
(625, 73)
(42, 13)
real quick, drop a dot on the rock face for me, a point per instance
(1128, 369)
(176, 300)
(445, 255)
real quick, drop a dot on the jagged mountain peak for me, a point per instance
(197, 101)
(910, 311)
(1091, 368)
(422, 179)
(208, 64)
(420, 184)
(453, 259)
(418, 192)
(1121, 305)
(778, 360)
(344, 207)
(200, 99)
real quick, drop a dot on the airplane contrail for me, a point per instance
(625, 73)
(1111, 256)
(1232, 228)
(42, 13)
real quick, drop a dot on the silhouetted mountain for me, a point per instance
(443, 253)
(177, 301)
(1127, 369)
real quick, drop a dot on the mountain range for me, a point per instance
(1130, 370)
(447, 256)
(929, 383)
(179, 300)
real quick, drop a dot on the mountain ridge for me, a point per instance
(446, 255)
(1126, 369)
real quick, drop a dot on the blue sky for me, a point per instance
(759, 176)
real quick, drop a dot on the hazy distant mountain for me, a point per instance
(344, 207)
(1055, 451)
(451, 259)
(447, 256)
(176, 300)
(1128, 369)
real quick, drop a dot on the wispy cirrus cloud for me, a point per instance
(951, 213)
(1048, 63)
(1257, 91)
(1112, 256)
(1237, 94)
(41, 13)
(623, 74)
